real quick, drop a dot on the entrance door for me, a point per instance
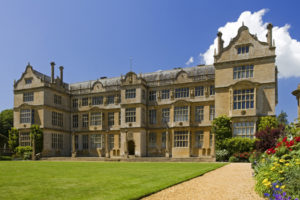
(131, 147)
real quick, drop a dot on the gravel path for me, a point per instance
(231, 182)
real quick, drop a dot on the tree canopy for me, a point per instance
(6, 121)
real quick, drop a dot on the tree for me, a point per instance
(221, 127)
(267, 121)
(282, 118)
(268, 137)
(6, 121)
(13, 140)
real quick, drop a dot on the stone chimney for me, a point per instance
(220, 43)
(269, 34)
(52, 71)
(61, 69)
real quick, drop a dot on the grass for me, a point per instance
(92, 180)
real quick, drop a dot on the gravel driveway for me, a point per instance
(231, 182)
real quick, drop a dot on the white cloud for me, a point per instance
(287, 48)
(190, 61)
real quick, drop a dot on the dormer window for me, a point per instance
(28, 81)
(243, 49)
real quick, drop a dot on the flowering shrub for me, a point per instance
(278, 171)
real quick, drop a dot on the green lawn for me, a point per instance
(92, 180)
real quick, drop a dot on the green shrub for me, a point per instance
(222, 155)
(221, 127)
(267, 121)
(233, 159)
(36, 134)
(13, 138)
(24, 152)
(5, 158)
(238, 145)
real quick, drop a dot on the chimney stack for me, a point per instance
(269, 34)
(220, 43)
(61, 68)
(52, 71)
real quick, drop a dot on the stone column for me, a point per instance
(125, 146)
(73, 146)
(167, 145)
(106, 146)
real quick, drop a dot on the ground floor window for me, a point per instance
(111, 140)
(163, 140)
(199, 139)
(76, 142)
(152, 140)
(97, 141)
(25, 139)
(181, 139)
(211, 139)
(243, 129)
(85, 142)
(57, 141)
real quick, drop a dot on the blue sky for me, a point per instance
(97, 38)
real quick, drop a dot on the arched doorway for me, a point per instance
(131, 147)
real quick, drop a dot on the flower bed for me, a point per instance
(277, 172)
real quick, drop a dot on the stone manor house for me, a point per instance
(159, 114)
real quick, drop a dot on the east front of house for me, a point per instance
(164, 113)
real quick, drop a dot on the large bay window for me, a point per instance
(28, 96)
(130, 93)
(243, 129)
(130, 114)
(181, 92)
(243, 99)
(57, 119)
(199, 139)
(26, 116)
(96, 119)
(181, 139)
(181, 114)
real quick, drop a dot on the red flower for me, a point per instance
(284, 139)
(297, 139)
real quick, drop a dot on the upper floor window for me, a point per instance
(181, 92)
(243, 49)
(85, 142)
(130, 93)
(75, 103)
(199, 139)
(28, 96)
(28, 81)
(243, 72)
(152, 95)
(181, 114)
(85, 101)
(199, 91)
(111, 118)
(57, 119)
(143, 94)
(57, 99)
(212, 112)
(97, 100)
(111, 141)
(96, 118)
(243, 129)
(243, 99)
(199, 114)
(111, 99)
(165, 94)
(75, 121)
(212, 90)
(152, 116)
(85, 120)
(181, 139)
(130, 115)
(25, 116)
(165, 114)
